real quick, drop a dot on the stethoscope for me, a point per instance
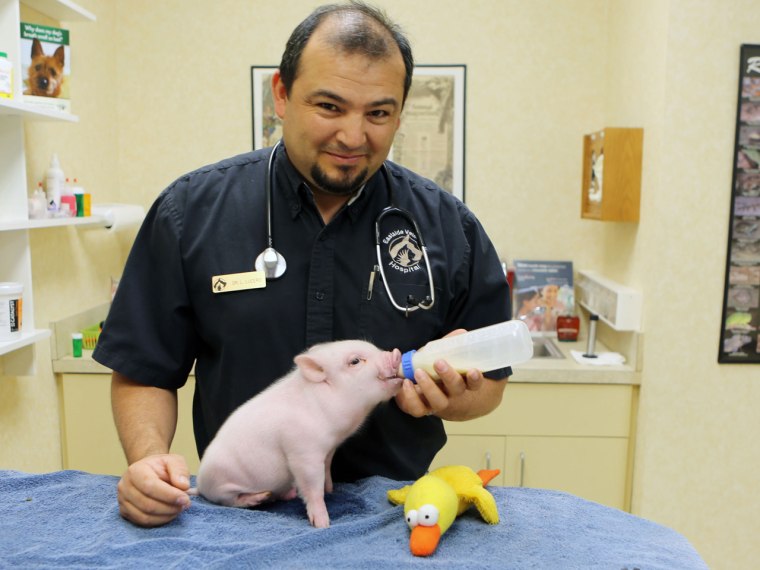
(273, 264)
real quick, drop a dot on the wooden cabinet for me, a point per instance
(570, 437)
(611, 187)
(89, 439)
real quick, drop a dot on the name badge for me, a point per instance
(238, 282)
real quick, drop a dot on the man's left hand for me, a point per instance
(452, 397)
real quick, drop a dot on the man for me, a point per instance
(339, 91)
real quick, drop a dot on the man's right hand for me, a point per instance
(153, 491)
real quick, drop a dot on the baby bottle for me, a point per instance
(487, 348)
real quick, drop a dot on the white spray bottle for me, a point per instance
(54, 184)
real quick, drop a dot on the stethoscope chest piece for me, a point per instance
(271, 263)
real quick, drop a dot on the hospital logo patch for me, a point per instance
(404, 251)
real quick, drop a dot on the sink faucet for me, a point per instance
(592, 320)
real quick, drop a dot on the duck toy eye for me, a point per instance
(411, 518)
(427, 515)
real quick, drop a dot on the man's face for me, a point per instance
(341, 116)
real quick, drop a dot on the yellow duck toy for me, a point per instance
(433, 502)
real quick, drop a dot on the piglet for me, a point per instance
(280, 443)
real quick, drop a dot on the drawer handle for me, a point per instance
(522, 469)
(488, 459)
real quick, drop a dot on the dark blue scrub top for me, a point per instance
(165, 316)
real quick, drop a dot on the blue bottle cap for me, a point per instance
(406, 365)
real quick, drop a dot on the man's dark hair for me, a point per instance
(367, 35)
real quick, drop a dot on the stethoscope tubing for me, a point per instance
(269, 185)
(391, 209)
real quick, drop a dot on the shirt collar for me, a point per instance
(297, 193)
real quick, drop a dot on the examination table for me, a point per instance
(70, 519)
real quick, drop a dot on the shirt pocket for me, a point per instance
(388, 327)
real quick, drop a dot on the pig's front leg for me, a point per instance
(310, 481)
(328, 475)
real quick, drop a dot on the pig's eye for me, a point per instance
(355, 361)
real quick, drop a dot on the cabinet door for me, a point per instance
(475, 452)
(89, 439)
(590, 467)
(555, 409)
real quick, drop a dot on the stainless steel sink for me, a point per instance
(544, 347)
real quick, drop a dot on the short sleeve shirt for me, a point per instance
(167, 317)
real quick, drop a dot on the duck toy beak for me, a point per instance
(424, 540)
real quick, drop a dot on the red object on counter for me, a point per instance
(568, 328)
(511, 278)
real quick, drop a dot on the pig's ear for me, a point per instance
(310, 368)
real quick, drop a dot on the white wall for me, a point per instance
(697, 456)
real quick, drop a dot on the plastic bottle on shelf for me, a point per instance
(10, 310)
(487, 348)
(6, 76)
(86, 199)
(68, 202)
(79, 197)
(38, 204)
(54, 183)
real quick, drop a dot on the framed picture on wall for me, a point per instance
(267, 128)
(430, 140)
(739, 336)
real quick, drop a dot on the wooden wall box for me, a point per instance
(611, 189)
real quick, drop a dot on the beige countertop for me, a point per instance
(84, 365)
(568, 371)
(538, 370)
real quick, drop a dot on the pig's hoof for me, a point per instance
(319, 521)
(252, 499)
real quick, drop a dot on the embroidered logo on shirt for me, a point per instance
(404, 251)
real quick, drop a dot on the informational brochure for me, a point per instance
(543, 291)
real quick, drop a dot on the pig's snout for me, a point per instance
(392, 360)
(390, 363)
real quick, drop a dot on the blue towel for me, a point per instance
(70, 519)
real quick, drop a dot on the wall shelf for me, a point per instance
(51, 223)
(61, 10)
(27, 338)
(33, 113)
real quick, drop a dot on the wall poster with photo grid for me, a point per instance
(739, 338)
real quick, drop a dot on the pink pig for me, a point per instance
(280, 443)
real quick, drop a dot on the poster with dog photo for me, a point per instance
(46, 66)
